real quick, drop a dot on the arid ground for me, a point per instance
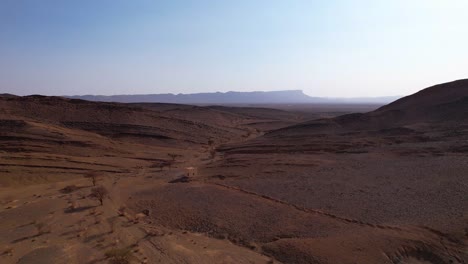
(295, 184)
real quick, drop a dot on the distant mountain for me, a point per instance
(278, 97)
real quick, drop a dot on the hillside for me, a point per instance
(440, 104)
(108, 119)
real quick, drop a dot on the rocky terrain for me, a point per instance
(272, 186)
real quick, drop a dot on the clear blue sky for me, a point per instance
(347, 48)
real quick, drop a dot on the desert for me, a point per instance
(271, 186)
(233, 132)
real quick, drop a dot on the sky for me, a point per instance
(335, 48)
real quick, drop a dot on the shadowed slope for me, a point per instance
(110, 119)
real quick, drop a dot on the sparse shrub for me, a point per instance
(69, 189)
(119, 255)
(146, 212)
(93, 176)
(169, 163)
(41, 228)
(211, 142)
(173, 156)
(99, 193)
(212, 153)
(160, 165)
(97, 219)
(112, 221)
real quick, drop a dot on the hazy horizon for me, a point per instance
(224, 92)
(332, 49)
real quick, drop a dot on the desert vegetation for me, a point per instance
(93, 177)
(41, 228)
(99, 193)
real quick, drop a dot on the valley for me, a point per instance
(301, 184)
